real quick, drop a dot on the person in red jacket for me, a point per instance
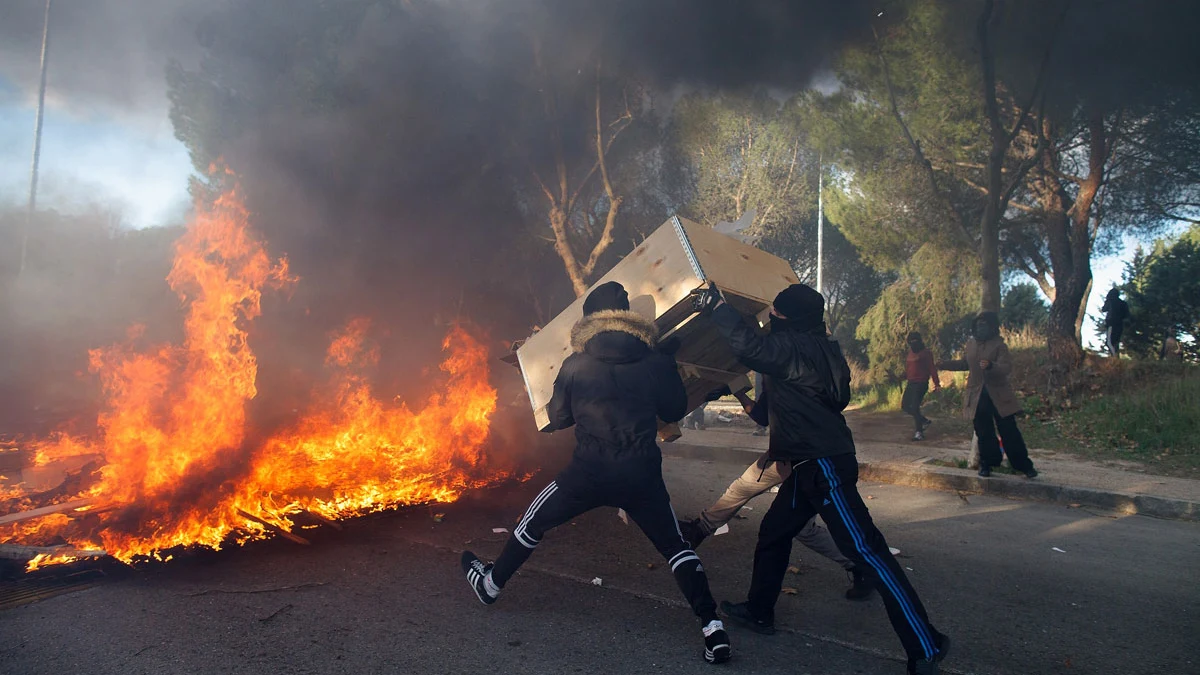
(919, 369)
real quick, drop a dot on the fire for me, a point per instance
(178, 469)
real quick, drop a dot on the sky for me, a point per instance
(107, 140)
(106, 137)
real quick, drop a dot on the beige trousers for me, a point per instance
(755, 480)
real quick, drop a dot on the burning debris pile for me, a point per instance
(175, 461)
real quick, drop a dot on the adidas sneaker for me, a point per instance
(479, 577)
(716, 642)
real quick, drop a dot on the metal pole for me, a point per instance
(820, 229)
(37, 141)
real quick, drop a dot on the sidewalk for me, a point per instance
(886, 456)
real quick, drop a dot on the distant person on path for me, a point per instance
(613, 389)
(760, 476)
(808, 386)
(989, 399)
(919, 369)
(1171, 351)
(1116, 313)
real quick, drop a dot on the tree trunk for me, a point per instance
(562, 246)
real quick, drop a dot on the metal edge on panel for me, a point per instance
(525, 381)
(687, 247)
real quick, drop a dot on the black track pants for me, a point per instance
(635, 486)
(828, 486)
(987, 422)
(914, 395)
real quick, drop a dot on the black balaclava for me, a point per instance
(609, 295)
(986, 326)
(915, 343)
(798, 307)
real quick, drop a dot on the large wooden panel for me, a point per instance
(660, 275)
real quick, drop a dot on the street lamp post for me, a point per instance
(820, 229)
(37, 140)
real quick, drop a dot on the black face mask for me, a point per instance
(984, 331)
(777, 324)
(916, 346)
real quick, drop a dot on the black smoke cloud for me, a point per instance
(385, 147)
(105, 55)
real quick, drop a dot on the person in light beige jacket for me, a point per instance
(990, 400)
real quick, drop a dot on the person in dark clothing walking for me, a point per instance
(612, 389)
(989, 399)
(1116, 312)
(808, 383)
(919, 369)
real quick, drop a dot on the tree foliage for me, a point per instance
(1163, 290)
(1024, 308)
(936, 294)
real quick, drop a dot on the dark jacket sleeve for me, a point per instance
(768, 355)
(559, 408)
(670, 396)
(759, 412)
(954, 364)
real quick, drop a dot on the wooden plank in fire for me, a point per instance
(21, 552)
(44, 511)
(322, 519)
(274, 528)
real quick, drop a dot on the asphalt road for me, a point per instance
(386, 596)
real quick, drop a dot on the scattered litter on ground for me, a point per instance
(739, 516)
(724, 417)
(623, 516)
(793, 570)
(724, 529)
(748, 508)
(895, 551)
(437, 517)
(787, 590)
(499, 530)
(651, 566)
(909, 569)
(597, 581)
(870, 496)
(1074, 506)
(1055, 548)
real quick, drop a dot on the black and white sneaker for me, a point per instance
(716, 642)
(479, 578)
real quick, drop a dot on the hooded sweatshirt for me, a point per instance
(615, 387)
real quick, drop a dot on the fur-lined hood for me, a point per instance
(621, 321)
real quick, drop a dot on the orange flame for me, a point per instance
(177, 468)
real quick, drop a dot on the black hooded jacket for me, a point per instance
(615, 387)
(806, 378)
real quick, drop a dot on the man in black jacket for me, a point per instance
(613, 389)
(808, 383)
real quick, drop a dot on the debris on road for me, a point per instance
(788, 590)
(499, 530)
(623, 516)
(1055, 548)
(724, 529)
(597, 581)
(894, 551)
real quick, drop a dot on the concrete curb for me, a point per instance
(934, 477)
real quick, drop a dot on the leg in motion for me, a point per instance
(554, 505)
(850, 524)
(653, 514)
